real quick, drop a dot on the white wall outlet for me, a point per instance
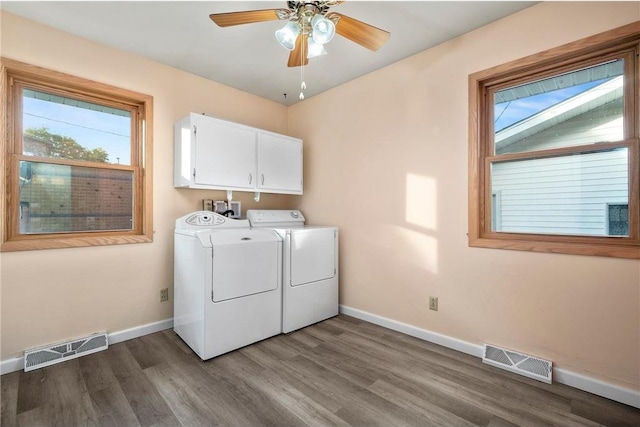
(164, 294)
(433, 303)
(207, 205)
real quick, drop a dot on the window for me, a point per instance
(77, 161)
(617, 220)
(554, 150)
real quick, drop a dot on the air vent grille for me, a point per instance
(49, 355)
(520, 363)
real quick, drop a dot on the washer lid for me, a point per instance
(202, 220)
(275, 218)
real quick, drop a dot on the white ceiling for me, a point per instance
(247, 57)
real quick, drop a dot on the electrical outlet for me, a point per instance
(207, 205)
(164, 294)
(433, 303)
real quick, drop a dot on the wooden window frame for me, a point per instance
(623, 41)
(15, 74)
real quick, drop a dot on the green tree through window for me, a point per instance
(64, 147)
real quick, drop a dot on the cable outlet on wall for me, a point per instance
(433, 303)
(207, 205)
(164, 294)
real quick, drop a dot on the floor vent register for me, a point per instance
(519, 363)
(49, 355)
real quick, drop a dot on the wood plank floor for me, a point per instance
(339, 372)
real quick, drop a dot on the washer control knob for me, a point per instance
(294, 214)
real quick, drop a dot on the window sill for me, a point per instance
(56, 242)
(617, 250)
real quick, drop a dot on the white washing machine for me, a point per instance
(227, 283)
(309, 266)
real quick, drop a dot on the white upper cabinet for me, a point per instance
(217, 154)
(225, 154)
(279, 163)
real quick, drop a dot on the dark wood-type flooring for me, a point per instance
(339, 372)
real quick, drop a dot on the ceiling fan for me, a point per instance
(310, 25)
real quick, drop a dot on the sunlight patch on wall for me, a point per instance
(421, 201)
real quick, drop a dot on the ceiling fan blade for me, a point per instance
(359, 32)
(298, 55)
(237, 18)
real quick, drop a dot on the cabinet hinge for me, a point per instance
(194, 172)
(211, 294)
(195, 129)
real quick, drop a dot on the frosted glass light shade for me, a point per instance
(323, 29)
(315, 49)
(287, 35)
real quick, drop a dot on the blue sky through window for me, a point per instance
(511, 112)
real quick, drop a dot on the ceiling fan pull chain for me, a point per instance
(303, 85)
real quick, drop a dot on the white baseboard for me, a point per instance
(434, 337)
(592, 385)
(17, 363)
(596, 386)
(11, 365)
(139, 331)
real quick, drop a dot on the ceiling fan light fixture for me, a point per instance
(315, 49)
(288, 34)
(323, 29)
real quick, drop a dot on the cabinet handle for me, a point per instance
(250, 178)
(262, 183)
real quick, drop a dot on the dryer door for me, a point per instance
(245, 262)
(312, 255)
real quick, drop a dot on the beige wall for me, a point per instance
(54, 295)
(387, 163)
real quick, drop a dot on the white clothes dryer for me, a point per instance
(227, 283)
(309, 266)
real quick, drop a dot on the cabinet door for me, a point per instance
(279, 163)
(225, 154)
